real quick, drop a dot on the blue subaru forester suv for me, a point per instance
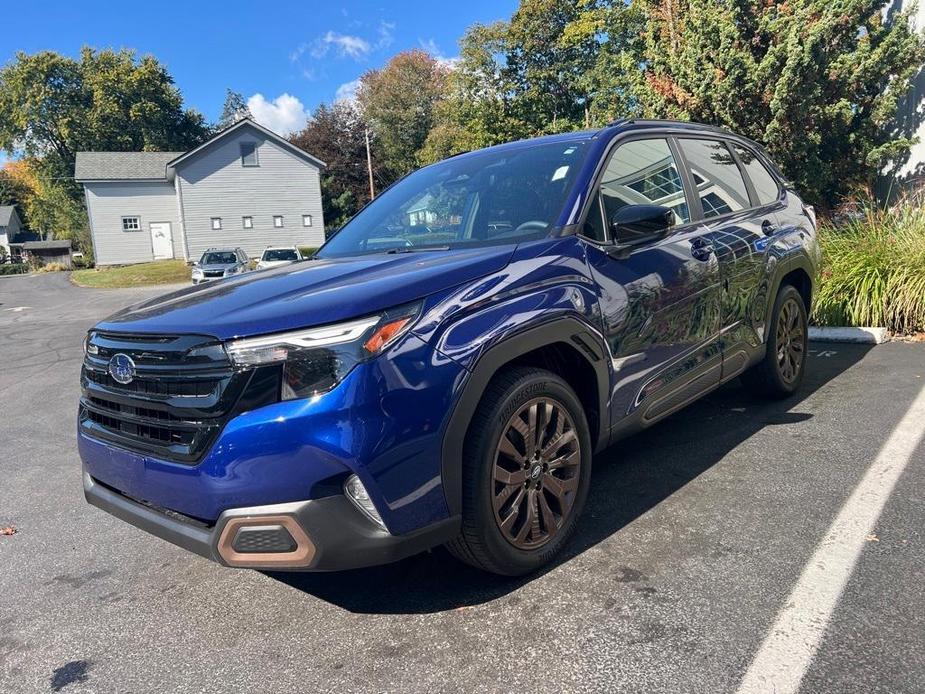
(444, 368)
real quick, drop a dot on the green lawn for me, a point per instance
(144, 274)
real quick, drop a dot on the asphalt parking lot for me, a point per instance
(687, 568)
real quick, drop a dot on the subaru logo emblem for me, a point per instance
(122, 368)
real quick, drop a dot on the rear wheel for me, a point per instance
(781, 371)
(526, 470)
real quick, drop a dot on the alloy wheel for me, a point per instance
(536, 473)
(791, 340)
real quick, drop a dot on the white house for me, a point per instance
(10, 225)
(246, 187)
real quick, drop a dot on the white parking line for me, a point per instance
(789, 648)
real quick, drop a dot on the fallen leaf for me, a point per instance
(8, 530)
(873, 538)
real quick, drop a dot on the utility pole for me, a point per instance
(369, 167)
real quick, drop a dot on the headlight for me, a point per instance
(317, 359)
(197, 272)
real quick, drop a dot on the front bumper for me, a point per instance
(328, 534)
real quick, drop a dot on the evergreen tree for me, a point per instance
(816, 81)
(235, 109)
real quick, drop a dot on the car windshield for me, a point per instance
(218, 258)
(280, 254)
(498, 195)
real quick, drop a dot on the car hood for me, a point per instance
(214, 268)
(309, 293)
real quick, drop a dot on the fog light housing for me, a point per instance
(356, 492)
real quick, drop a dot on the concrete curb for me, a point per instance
(867, 336)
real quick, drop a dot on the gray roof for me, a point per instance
(40, 245)
(6, 214)
(109, 166)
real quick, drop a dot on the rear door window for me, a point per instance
(719, 181)
(764, 183)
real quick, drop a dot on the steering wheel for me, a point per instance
(532, 225)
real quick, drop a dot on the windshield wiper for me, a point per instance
(416, 249)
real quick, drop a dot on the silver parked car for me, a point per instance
(219, 262)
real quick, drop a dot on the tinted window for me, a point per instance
(219, 258)
(720, 185)
(280, 254)
(643, 172)
(762, 180)
(496, 195)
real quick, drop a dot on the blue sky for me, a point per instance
(285, 57)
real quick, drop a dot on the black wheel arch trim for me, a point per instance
(798, 260)
(585, 340)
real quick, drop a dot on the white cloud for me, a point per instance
(284, 115)
(431, 47)
(355, 47)
(347, 91)
(386, 34)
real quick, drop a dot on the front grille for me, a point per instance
(183, 392)
(213, 273)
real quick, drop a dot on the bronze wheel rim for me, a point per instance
(535, 473)
(790, 341)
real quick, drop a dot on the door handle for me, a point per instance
(768, 227)
(702, 250)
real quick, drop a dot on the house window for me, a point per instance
(131, 224)
(216, 223)
(306, 220)
(278, 221)
(249, 154)
(247, 222)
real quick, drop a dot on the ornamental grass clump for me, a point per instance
(873, 271)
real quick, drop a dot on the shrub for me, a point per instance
(307, 251)
(873, 271)
(13, 269)
(52, 267)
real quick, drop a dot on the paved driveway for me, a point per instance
(697, 536)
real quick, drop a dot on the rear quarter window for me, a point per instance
(719, 181)
(764, 183)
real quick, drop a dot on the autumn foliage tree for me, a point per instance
(336, 135)
(398, 103)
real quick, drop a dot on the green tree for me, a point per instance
(52, 105)
(336, 135)
(14, 191)
(518, 79)
(398, 102)
(816, 81)
(235, 109)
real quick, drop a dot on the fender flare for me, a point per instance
(568, 330)
(786, 265)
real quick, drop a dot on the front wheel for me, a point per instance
(526, 471)
(781, 371)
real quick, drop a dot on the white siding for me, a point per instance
(215, 184)
(107, 203)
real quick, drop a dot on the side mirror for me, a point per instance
(635, 223)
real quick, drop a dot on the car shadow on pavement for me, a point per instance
(628, 479)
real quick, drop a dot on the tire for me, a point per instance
(504, 487)
(780, 373)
